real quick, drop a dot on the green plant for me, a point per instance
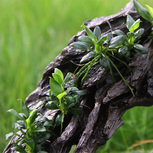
(32, 130)
(146, 13)
(115, 44)
(64, 96)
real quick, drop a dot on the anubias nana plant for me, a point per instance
(32, 130)
(115, 44)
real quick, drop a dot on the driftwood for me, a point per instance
(105, 102)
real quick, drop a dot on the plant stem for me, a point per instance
(86, 68)
(131, 89)
(62, 121)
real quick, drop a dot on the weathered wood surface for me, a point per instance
(105, 102)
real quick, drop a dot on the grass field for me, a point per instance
(32, 34)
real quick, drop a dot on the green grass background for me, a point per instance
(32, 34)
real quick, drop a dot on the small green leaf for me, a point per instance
(80, 92)
(51, 105)
(55, 87)
(135, 25)
(68, 77)
(31, 143)
(57, 78)
(33, 115)
(102, 40)
(44, 138)
(19, 149)
(25, 109)
(58, 120)
(40, 103)
(40, 129)
(129, 21)
(87, 57)
(59, 72)
(20, 123)
(89, 33)
(9, 135)
(123, 51)
(15, 113)
(71, 89)
(86, 39)
(150, 9)
(70, 99)
(142, 11)
(61, 95)
(81, 45)
(117, 41)
(97, 32)
(104, 62)
(140, 49)
(118, 32)
(139, 33)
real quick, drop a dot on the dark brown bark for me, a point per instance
(105, 102)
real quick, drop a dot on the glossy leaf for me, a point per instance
(87, 57)
(44, 138)
(72, 89)
(129, 21)
(58, 120)
(118, 32)
(33, 115)
(15, 113)
(70, 99)
(104, 62)
(117, 41)
(80, 92)
(135, 25)
(142, 11)
(40, 129)
(59, 72)
(31, 143)
(102, 40)
(139, 33)
(61, 95)
(55, 87)
(40, 103)
(89, 33)
(140, 49)
(68, 77)
(81, 45)
(97, 32)
(20, 149)
(124, 51)
(109, 37)
(57, 78)
(150, 9)
(86, 39)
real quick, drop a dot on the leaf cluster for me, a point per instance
(32, 129)
(65, 99)
(102, 48)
